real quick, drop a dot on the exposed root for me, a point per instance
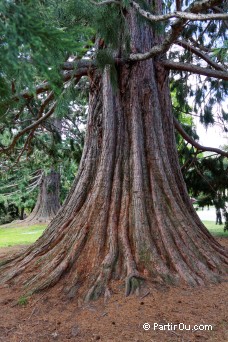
(100, 286)
(133, 284)
(95, 292)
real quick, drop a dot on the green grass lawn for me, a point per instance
(27, 235)
(216, 230)
(20, 235)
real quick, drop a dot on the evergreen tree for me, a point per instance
(57, 145)
(128, 215)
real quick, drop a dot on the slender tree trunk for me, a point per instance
(22, 213)
(47, 204)
(128, 215)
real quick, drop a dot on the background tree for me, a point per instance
(56, 145)
(207, 178)
(128, 215)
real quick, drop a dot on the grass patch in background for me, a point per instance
(20, 235)
(216, 229)
(27, 235)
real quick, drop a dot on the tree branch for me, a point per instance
(181, 15)
(34, 125)
(195, 69)
(105, 2)
(27, 129)
(199, 46)
(218, 10)
(175, 31)
(81, 64)
(191, 141)
(74, 70)
(183, 43)
(26, 146)
(33, 186)
(45, 103)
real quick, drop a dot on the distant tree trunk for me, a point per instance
(22, 213)
(128, 216)
(47, 204)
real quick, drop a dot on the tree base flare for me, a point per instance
(128, 216)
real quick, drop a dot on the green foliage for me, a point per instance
(207, 179)
(158, 27)
(19, 183)
(105, 58)
(25, 36)
(207, 118)
(179, 91)
(22, 301)
(222, 52)
(182, 111)
(102, 20)
(106, 23)
(125, 3)
(207, 94)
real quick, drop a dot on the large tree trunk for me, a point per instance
(128, 215)
(47, 204)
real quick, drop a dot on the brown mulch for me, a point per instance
(51, 317)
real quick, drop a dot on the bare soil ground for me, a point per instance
(50, 316)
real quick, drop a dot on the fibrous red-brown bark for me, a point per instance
(128, 215)
(47, 204)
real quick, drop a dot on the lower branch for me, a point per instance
(175, 30)
(28, 128)
(181, 15)
(200, 54)
(191, 141)
(195, 69)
